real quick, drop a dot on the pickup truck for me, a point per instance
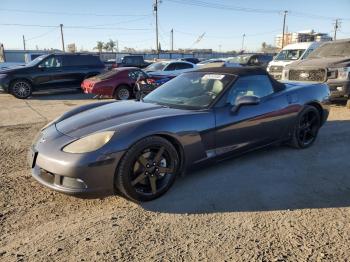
(330, 64)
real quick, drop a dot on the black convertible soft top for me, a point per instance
(244, 71)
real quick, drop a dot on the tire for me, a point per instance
(122, 93)
(348, 104)
(306, 129)
(21, 89)
(137, 170)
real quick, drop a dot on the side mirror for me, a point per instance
(245, 101)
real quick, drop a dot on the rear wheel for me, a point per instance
(306, 129)
(21, 89)
(122, 93)
(148, 169)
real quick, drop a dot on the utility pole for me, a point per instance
(336, 27)
(117, 46)
(24, 43)
(284, 26)
(243, 36)
(61, 25)
(172, 39)
(155, 9)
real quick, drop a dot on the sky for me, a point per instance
(132, 22)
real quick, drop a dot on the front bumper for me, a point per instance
(339, 89)
(74, 174)
(276, 75)
(4, 84)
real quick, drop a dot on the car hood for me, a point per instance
(14, 69)
(281, 62)
(110, 116)
(322, 62)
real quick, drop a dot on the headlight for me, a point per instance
(2, 76)
(343, 73)
(89, 143)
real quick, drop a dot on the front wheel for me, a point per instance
(21, 89)
(148, 169)
(306, 129)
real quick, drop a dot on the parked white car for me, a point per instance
(169, 68)
(288, 55)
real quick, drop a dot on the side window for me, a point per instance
(171, 67)
(51, 62)
(181, 66)
(258, 85)
(134, 75)
(128, 60)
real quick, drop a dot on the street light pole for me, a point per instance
(243, 36)
(284, 26)
(61, 25)
(155, 9)
(24, 43)
(172, 39)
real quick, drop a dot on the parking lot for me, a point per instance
(279, 204)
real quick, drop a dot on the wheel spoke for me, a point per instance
(153, 182)
(159, 155)
(138, 179)
(165, 170)
(304, 136)
(142, 161)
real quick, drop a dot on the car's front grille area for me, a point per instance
(276, 69)
(314, 75)
(47, 176)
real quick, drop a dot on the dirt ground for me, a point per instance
(279, 204)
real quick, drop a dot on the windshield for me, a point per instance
(36, 60)
(290, 54)
(156, 66)
(240, 59)
(332, 49)
(193, 90)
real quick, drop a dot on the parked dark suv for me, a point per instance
(52, 71)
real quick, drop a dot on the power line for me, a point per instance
(220, 6)
(223, 6)
(41, 35)
(66, 13)
(77, 27)
(230, 37)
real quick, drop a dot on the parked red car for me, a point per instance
(118, 83)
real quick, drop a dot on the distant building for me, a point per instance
(301, 36)
(72, 48)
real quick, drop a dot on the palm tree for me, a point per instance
(99, 46)
(111, 45)
(106, 46)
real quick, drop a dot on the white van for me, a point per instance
(288, 55)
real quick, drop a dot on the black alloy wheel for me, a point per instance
(21, 89)
(306, 131)
(148, 169)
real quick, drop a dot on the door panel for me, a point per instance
(252, 125)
